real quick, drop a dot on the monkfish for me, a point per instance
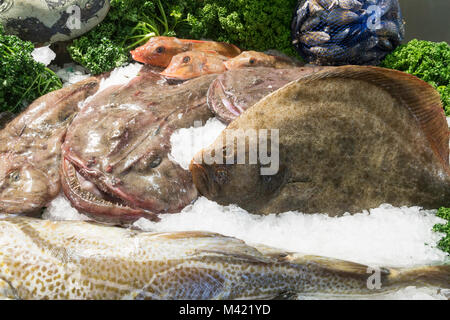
(159, 51)
(78, 260)
(344, 139)
(235, 91)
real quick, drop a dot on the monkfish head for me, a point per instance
(23, 188)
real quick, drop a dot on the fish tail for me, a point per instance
(435, 276)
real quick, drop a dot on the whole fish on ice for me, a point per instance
(350, 138)
(79, 260)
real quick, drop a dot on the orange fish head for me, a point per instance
(249, 59)
(193, 64)
(158, 51)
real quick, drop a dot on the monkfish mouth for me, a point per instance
(93, 200)
(225, 98)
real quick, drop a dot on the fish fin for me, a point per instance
(436, 276)
(336, 266)
(420, 98)
(246, 256)
(184, 282)
(184, 235)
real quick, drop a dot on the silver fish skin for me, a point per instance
(78, 260)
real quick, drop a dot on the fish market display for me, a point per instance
(350, 139)
(237, 90)
(159, 51)
(339, 32)
(192, 64)
(49, 21)
(78, 260)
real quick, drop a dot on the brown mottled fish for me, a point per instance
(30, 148)
(350, 138)
(251, 59)
(159, 51)
(116, 166)
(78, 260)
(193, 64)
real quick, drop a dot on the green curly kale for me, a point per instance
(128, 23)
(250, 24)
(429, 61)
(444, 244)
(22, 79)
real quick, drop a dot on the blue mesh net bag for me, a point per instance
(338, 32)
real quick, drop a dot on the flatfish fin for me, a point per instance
(420, 98)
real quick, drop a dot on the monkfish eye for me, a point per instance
(14, 176)
(221, 175)
(186, 59)
(156, 162)
(160, 49)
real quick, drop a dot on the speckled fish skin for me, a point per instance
(47, 21)
(116, 164)
(350, 139)
(30, 149)
(77, 260)
(237, 90)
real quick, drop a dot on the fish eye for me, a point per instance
(252, 61)
(14, 176)
(221, 175)
(160, 49)
(156, 162)
(186, 59)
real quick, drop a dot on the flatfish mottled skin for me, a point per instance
(78, 260)
(119, 143)
(30, 149)
(350, 139)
